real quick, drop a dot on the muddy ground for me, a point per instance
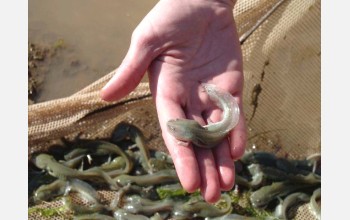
(95, 37)
(39, 59)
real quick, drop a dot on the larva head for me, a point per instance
(181, 129)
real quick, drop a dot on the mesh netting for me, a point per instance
(281, 95)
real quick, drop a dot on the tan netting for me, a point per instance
(281, 94)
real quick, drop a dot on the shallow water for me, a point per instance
(96, 36)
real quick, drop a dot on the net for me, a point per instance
(282, 95)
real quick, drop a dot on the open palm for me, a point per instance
(181, 44)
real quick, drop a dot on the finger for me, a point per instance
(238, 136)
(225, 165)
(129, 74)
(210, 184)
(183, 156)
(222, 155)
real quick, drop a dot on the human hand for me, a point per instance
(183, 43)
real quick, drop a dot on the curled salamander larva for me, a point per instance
(210, 135)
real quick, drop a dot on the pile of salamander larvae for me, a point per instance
(145, 185)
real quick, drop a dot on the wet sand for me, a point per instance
(96, 36)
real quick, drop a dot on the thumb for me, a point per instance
(134, 66)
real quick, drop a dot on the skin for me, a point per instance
(261, 157)
(124, 130)
(161, 161)
(49, 191)
(81, 209)
(61, 187)
(233, 217)
(160, 177)
(116, 164)
(282, 209)
(85, 190)
(210, 135)
(121, 214)
(260, 173)
(261, 197)
(56, 169)
(314, 206)
(100, 147)
(94, 216)
(182, 44)
(163, 156)
(314, 159)
(203, 209)
(144, 192)
(137, 205)
(303, 167)
(87, 193)
(311, 179)
(241, 181)
(77, 152)
(112, 148)
(74, 162)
